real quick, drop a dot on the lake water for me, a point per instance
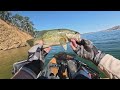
(8, 57)
(109, 42)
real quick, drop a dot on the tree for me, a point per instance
(23, 23)
(5, 15)
(17, 19)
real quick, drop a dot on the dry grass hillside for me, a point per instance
(12, 37)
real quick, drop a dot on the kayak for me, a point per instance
(62, 66)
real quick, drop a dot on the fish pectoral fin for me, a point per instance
(63, 43)
(65, 46)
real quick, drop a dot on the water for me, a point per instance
(108, 42)
(8, 57)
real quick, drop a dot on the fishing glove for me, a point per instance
(87, 50)
(36, 57)
(36, 53)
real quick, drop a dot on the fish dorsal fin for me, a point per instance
(63, 42)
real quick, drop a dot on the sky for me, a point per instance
(81, 21)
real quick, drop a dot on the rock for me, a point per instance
(23, 44)
(5, 49)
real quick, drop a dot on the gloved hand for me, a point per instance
(36, 57)
(87, 50)
(37, 52)
(29, 69)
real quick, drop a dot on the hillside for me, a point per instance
(12, 37)
(109, 29)
(114, 28)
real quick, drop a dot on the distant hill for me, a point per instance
(110, 29)
(114, 28)
(11, 36)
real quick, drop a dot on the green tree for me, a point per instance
(5, 15)
(23, 23)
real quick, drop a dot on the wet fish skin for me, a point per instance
(57, 37)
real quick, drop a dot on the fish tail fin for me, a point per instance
(30, 42)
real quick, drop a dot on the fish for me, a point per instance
(56, 37)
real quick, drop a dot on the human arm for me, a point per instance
(105, 62)
(36, 56)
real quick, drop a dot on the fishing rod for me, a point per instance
(85, 66)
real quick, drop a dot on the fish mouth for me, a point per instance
(78, 40)
(78, 37)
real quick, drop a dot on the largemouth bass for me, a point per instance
(56, 37)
